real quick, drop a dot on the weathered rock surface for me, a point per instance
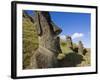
(69, 42)
(49, 47)
(80, 48)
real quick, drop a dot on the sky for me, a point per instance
(76, 25)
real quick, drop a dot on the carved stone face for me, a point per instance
(69, 42)
(47, 31)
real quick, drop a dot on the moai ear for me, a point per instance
(37, 19)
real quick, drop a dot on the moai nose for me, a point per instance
(56, 29)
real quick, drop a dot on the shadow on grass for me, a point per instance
(71, 60)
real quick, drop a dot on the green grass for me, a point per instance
(30, 41)
(69, 57)
(64, 48)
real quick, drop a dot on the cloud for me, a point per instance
(77, 35)
(63, 37)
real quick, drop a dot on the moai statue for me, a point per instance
(58, 45)
(69, 42)
(49, 47)
(80, 48)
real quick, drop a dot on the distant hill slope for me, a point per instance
(70, 58)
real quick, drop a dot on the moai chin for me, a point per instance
(80, 48)
(69, 42)
(49, 47)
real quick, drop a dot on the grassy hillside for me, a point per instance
(64, 48)
(70, 58)
(30, 41)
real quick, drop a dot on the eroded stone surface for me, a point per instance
(69, 42)
(49, 45)
(80, 48)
